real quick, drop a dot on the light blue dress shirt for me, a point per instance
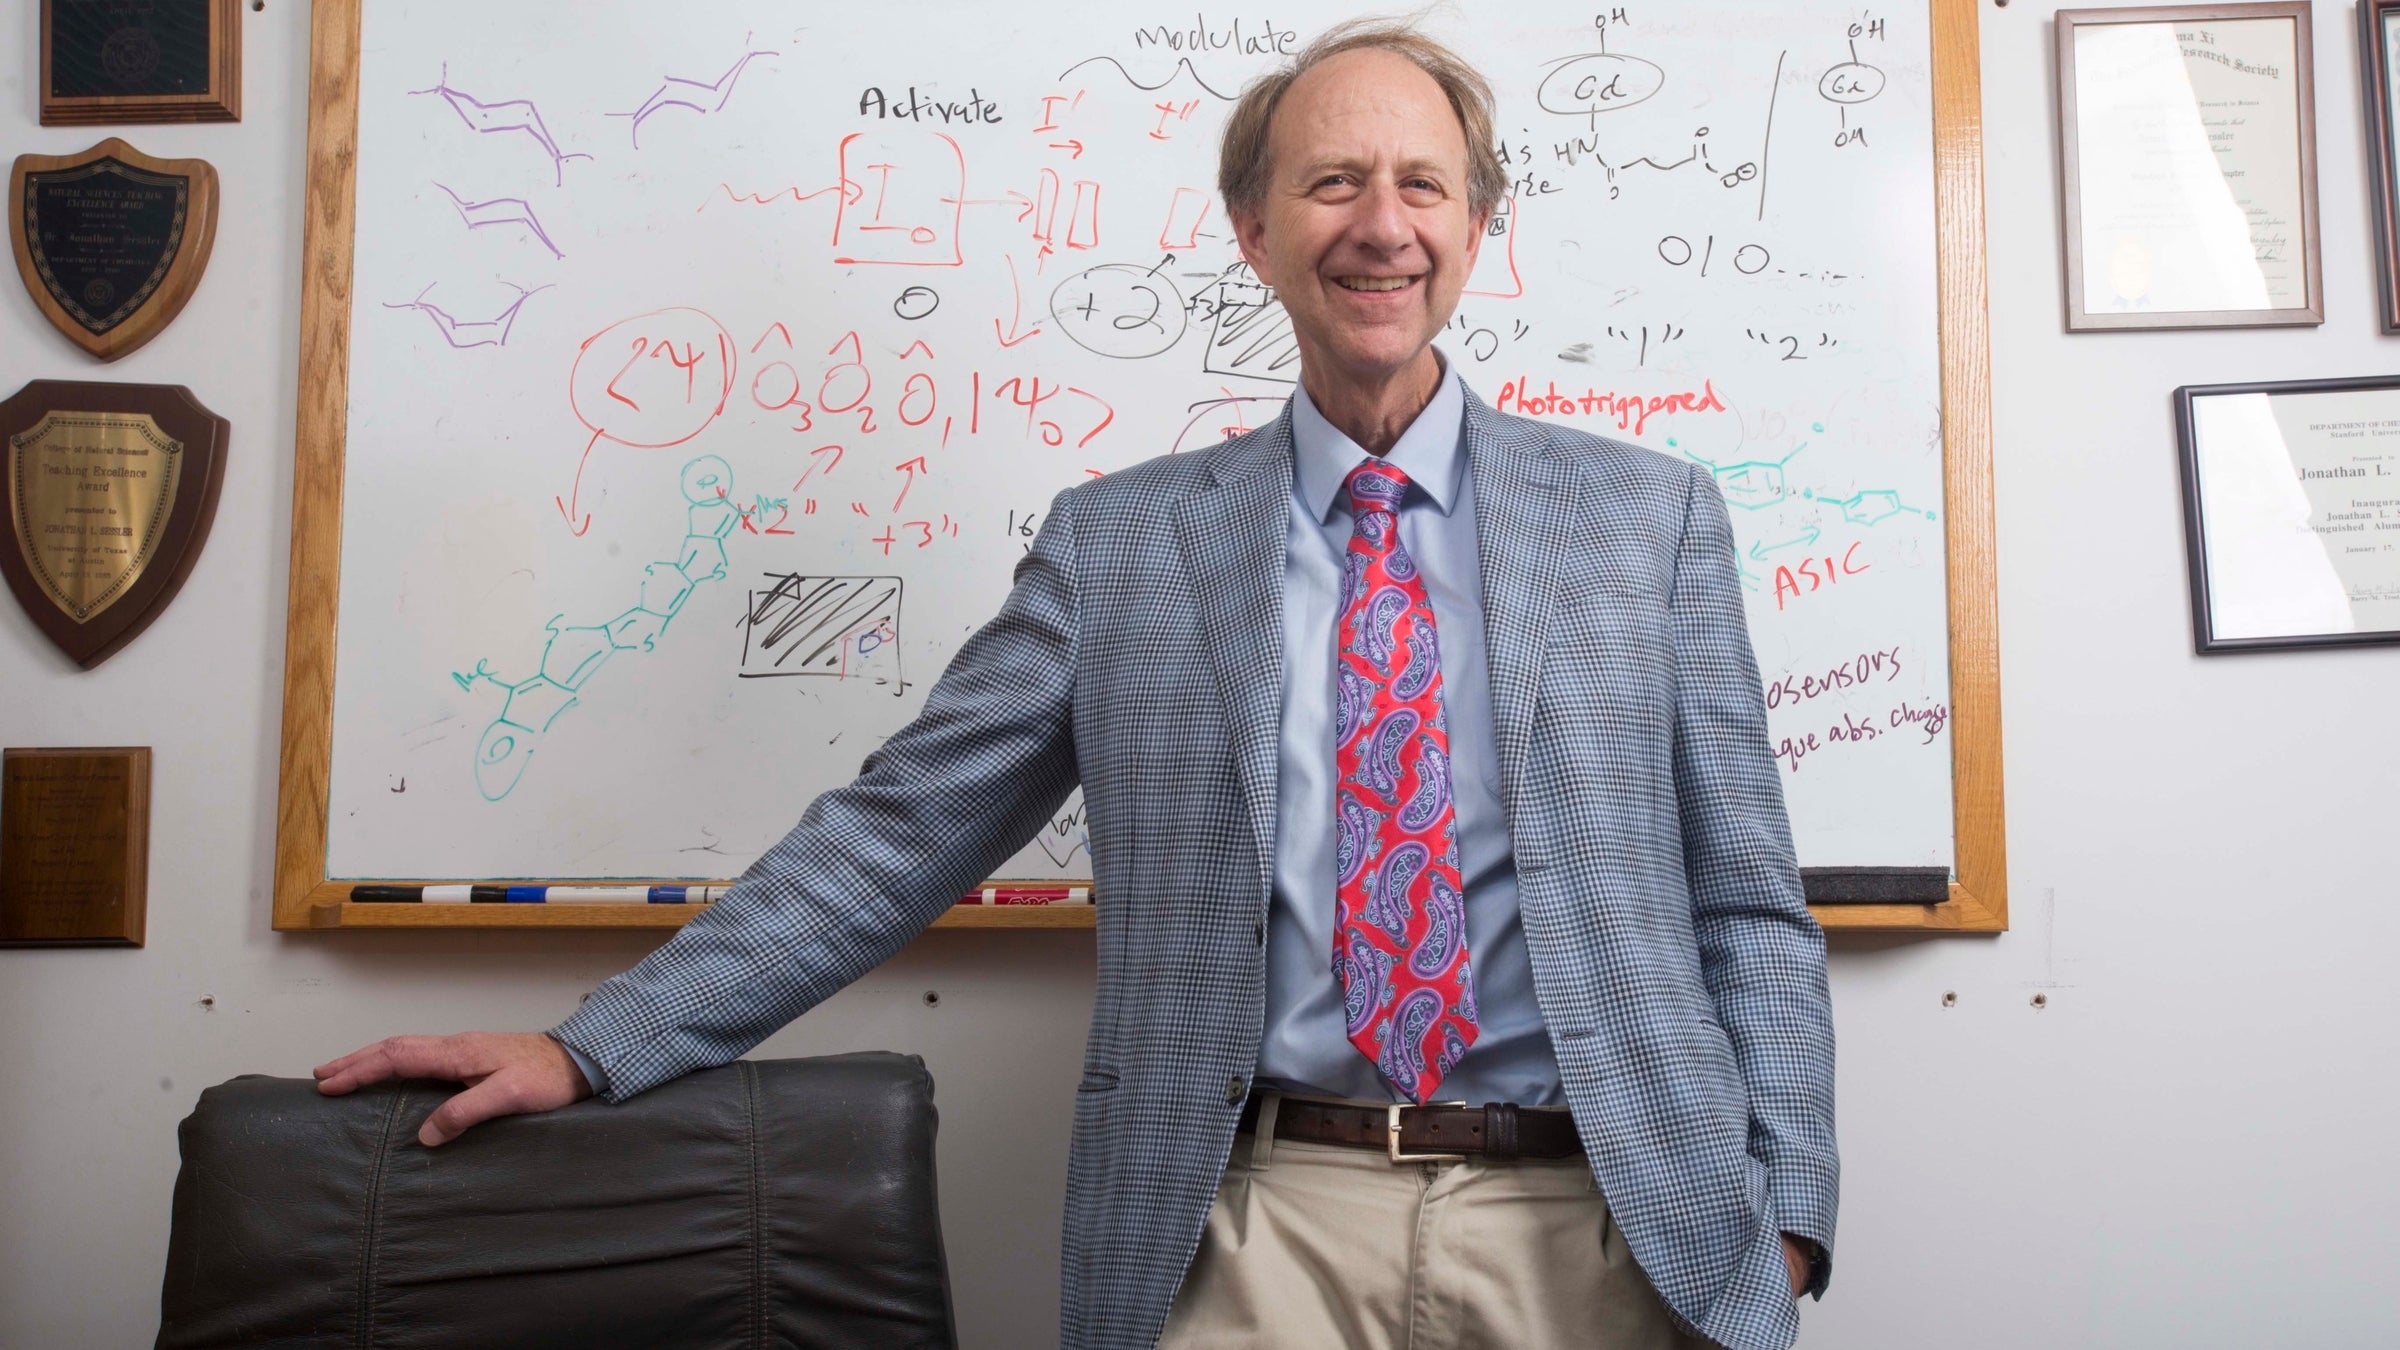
(1306, 1048)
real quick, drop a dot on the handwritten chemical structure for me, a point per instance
(1873, 506)
(501, 211)
(1853, 82)
(574, 653)
(499, 118)
(466, 333)
(677, 91)
(1598, 82)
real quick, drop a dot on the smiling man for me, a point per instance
(1425, 762)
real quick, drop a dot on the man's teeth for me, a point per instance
(1373, 283)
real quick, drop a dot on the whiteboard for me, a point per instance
(709, 369)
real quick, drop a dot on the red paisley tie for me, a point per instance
(1400, 917)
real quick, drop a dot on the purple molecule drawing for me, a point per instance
(500, 211)
(462, 334)
(516, 114)
(672, 93)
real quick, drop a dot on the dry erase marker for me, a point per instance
(614, 895)
(535, 895)
(632, 895)
(593, 895)
(1028, 895)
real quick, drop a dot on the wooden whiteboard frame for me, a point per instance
(306, 898)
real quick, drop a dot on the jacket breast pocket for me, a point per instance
(1618, 620)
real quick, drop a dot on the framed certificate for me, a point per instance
(116, 61)
(2188, 167)
(2291, 507)
(2379, 76)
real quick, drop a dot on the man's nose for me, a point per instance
(1382, 222)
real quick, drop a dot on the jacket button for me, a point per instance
(1258, 934)
(1234, 1090)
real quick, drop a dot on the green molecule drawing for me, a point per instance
(1873, 507)
(574, 653)
(1752, 485)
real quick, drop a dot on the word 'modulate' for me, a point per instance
(1265, 40)
(918, 108)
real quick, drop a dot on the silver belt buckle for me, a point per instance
(1392, 1137)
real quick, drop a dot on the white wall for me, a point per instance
(2187, 1147)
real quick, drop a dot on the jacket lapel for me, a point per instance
(1234, 537)
(1525, 505)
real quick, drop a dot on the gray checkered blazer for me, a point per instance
(1140, 654)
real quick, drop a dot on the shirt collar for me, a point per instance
(1429, 452)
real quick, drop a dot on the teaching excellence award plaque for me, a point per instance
(109, 491)
(111, 242)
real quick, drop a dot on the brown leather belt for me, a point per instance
(1496, 1131)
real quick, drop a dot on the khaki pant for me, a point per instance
(1321, 1245)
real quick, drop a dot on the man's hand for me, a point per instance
(1795, 1261)
(506, 1073)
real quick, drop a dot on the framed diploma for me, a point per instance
(2188, 167)
(2291, 508)
(2379, 76)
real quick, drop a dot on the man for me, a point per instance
(1424, 756)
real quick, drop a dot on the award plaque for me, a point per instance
(109, 490)
(111, 242)
(141, 61)
(74, 846)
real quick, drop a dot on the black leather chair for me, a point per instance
(777, 1203)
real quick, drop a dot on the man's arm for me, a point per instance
(932, 811)
(1761, 953)
(945, 800)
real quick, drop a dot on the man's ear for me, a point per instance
(1250, 232)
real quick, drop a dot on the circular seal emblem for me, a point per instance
(99, 293)
(130, 55)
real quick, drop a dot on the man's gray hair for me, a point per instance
(1245, 162)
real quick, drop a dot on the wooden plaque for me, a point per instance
(74, 847)
(152, 61)
(107, 492)
(111, 242)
